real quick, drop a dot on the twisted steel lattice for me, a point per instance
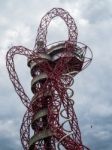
(58, 128)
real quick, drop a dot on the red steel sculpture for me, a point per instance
(50, 113)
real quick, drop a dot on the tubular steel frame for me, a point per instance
(57, 84)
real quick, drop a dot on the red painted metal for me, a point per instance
(53, 92)
(42, 30)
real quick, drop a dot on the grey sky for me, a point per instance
(93, 97)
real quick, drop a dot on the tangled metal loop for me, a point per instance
(42, 30)
(50, 113)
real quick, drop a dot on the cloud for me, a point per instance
(92, 87)
(8, 134)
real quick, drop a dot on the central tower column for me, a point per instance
(42, 138)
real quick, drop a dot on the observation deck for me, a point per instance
(53, 55)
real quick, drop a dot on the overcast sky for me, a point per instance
(19, 21)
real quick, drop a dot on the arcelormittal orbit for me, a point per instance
(50, 122)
